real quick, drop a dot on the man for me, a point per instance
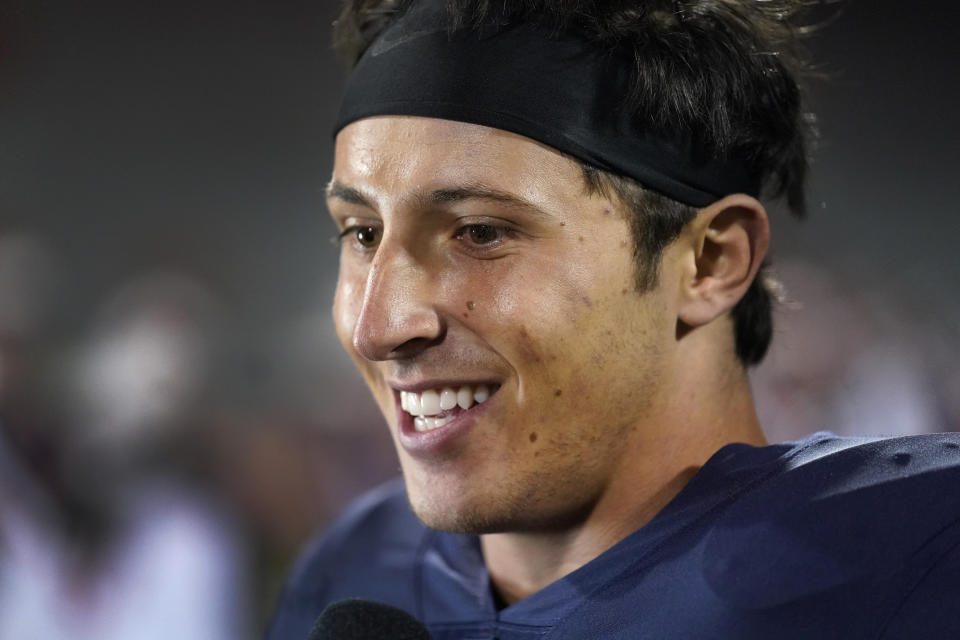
(551, 278)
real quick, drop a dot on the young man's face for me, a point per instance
(475, 257)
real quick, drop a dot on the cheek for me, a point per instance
(537, 321)
(570, 342)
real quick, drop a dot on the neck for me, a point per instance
(657, 465)
(521, 564)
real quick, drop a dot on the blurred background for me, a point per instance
(177, 416)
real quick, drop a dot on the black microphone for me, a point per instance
(358, 619)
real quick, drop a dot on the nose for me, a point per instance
(398, 318)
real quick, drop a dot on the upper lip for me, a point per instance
(438, 383)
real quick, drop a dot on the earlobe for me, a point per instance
(728, 244)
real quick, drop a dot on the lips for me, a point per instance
(434, 408)
(432, 418)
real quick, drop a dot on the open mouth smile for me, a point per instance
(435, 408)
(432, 418)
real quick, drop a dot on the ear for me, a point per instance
(727, 243)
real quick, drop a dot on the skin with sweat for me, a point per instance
(472, 255)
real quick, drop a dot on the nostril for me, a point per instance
(415, 346)
(379, 343)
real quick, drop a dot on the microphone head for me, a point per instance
(358, 619)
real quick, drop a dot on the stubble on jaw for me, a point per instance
(555, 474)
(555, 496)
(511, 509)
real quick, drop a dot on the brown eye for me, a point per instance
(367, 236)
(483, 233)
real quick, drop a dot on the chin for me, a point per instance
(459, 514)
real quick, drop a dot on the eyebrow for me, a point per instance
(350, 195)
(346, 194)
(482, 192)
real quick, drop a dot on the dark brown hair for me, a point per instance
(724, 72)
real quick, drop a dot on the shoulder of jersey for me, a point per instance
(837, 512)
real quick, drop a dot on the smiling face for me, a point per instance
(474, 258)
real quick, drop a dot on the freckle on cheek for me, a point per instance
(558, 393)
(533, 437)
(580, 238)
(527, 346)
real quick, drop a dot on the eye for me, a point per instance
(482, 235)
(366, 237)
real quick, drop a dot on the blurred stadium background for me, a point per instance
(177, 416)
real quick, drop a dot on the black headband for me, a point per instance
(556, 88)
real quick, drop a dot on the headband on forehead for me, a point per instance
(555, 88)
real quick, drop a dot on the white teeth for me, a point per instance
(465, 398)
(481, 394)
(434, 401)
(413, 404)
(427, 424)
(448, 399)
(430, 403)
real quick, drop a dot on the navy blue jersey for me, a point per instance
(824, 538)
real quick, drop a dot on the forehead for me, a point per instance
(397, 154)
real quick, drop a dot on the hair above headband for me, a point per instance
(557, 88)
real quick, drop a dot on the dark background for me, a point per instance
(189, 141)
